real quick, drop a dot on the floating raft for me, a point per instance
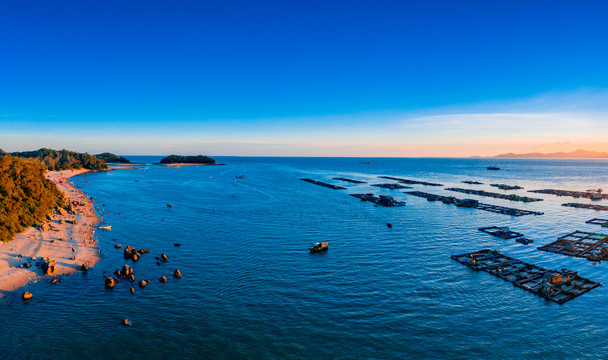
(323, 184)
(591, 246)
(472, 182)
(507, 187)
(473, 204)
(349, 180)
(501, 232)
(382, 200)
(511, 197)
(575, 194)
(392, 186)
(553, 285)
(602, 222)
(586, 206)
(410, 182)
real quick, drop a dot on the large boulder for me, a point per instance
(142, 283)
(177, 273)
(45, 227)
(129, 252)
(27, 295)
(163, 257)
(110, 283)
(48, 266)
(85, 266)
(163, 279)
(126, 270)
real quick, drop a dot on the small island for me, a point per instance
(198, 159)
(112, 158)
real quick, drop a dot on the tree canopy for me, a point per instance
(178, 159)
(26, 196)
(64, 159)
(112, 158)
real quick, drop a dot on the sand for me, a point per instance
(32, 245)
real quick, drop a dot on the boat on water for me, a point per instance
(105, 227)
(493, 167)
(239, 177)
(318, 247)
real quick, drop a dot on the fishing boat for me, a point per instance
(493, 167)
(318, 247)
(105, 227)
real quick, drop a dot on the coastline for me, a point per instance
(69, 244)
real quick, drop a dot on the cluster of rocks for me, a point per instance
(131, 253)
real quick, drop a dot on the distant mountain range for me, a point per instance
(578, 154)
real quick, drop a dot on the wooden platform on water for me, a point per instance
(557, 286)
(507, 187)
(320, 183)
(511, 197)
(501, 232)
(591, 246)
(472, 182)
(382, 200)
(409, 181)
(473, 204)
(602, 222)
(392, 186)
(574, 194)
(350, 180)
(586, 206)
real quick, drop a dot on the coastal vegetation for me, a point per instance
(178, 159)
(63, 159)
(112, 158)
(26, 196)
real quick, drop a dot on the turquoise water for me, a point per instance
(251, 290)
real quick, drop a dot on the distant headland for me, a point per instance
(578, 154)
(111, 158)
(198, 159)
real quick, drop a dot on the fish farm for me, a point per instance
(602, 222)
(349, 180)
(410, 182)
(382, 200)
(507, 187)
(591, 246)
(473, 204)
(501, 232)
(586, 206)
(553, 285)
(511, 197)
(392, 186)
(323, 184)
(592, 194)
(472, 182)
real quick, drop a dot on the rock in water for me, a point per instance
(27, 295)
(110, 283)
(126, 270)
(177, 273)
(163, 279)
(142, 283)
(163, 257)
(117, 246)
(132, 290)
(85, 266)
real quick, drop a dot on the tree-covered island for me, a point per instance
(178, 159)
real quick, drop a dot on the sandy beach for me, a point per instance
(68, 239)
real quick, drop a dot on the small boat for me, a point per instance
(105, 227)
(240, 176)
(320, 246)
(493, 168)
(169, 205)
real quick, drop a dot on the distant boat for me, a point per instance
(240, 176)
(320, 246)
(493, 168)
(366, 162)
(106, 227)
(169, 205)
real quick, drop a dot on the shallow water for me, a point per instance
(251, 290)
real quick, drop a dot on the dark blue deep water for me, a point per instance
(251, 290)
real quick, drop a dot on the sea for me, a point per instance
(252, 290)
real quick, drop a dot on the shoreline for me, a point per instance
(69, 244)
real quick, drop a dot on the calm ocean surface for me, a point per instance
(251, 290)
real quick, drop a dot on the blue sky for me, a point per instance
(342, 78)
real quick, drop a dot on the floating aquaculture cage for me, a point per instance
(591, 246)
(409, 181)
(553, 285)
(501, 232)
(507, 187)
(602, 222)
(481, 206)
(586, 206)
(323, 184)
(511, 197)
(349, 180)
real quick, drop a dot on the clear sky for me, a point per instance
(309, 78)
